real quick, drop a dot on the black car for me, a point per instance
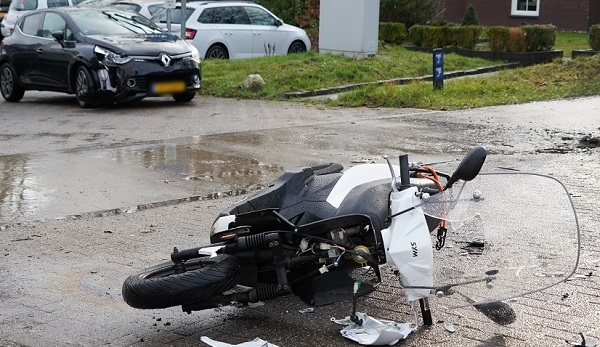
(102, 55)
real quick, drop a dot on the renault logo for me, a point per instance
(165, 59)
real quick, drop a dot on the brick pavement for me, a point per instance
(61, 285)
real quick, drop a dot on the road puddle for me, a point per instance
(77, 184)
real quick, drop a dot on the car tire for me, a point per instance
(10, 88)
(297, 47)
(217, 51)
(83, 83)
(184, 97)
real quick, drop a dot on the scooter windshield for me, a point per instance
(508, 234)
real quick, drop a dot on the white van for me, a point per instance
(18, 8)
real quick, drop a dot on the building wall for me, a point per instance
(594, 17)
(575, 15)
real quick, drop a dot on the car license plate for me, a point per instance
(169, 87)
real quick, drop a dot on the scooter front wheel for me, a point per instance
(165, 285)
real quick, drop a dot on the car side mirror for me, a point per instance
(59, 35)
(278, 22)
(469, 167)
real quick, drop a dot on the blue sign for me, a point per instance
(438, 68)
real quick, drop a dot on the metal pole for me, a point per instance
(183, 18)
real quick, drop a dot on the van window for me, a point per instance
(57, 3)
(259, 16)
(224, 15)
(23, 5)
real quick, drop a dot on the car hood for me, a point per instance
(141, 44)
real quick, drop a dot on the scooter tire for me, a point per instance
(161, 286)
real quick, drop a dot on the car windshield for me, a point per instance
(110, 22)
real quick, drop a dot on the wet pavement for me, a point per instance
(88, 198)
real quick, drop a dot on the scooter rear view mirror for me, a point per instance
(469, 167)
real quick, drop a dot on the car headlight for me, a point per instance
(110, 56)
(195, 53)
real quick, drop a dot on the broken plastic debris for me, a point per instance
(450, 328)
(307, 310)
(254, 343)
(374, 331)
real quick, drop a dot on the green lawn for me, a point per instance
(312, 71)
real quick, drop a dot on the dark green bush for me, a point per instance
(470, 17)
(594, 37)
(539, 37)
(436, 37)
(394, 33)
(498, 37)
(415, 35)
(409, 12)
(464, 36)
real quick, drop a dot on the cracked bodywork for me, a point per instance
(135, 80)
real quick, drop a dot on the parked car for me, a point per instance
(102, 55)
(234, 30)
(18, 8)
(147, 8)
(4, 6)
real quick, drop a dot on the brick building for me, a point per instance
(576, 15)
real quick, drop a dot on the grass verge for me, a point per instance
(313, 71)
(557, 80)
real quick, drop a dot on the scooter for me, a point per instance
(323, 234)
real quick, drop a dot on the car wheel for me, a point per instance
(297, 47)
(11, 90)
(217, 52)
(183, 97)
(83, 84)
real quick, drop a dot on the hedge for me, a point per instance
(594, 37)
(394, 33)
(528, 38)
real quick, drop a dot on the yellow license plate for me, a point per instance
(169, 87)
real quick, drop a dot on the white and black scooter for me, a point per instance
(322, 234)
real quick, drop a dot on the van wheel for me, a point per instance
(297, 47)
(217, 51)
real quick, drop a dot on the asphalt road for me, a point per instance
(88, 197)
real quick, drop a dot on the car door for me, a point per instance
(267, 38)
(52, 58)
(23, 48)
(234, 28)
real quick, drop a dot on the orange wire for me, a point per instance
(435, 178)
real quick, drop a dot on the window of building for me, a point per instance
(530, 8)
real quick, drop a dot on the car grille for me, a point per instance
(144, 83)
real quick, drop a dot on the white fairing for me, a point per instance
(408, 245)
(356, 176)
